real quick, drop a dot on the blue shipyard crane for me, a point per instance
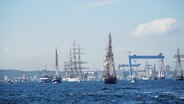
(127, 65)
(160, 56)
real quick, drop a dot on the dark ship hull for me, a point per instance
(179, 77)
(161, 77)
(155, 78)
(57, 80)
(110, 80)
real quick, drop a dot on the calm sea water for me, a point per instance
(94, 92)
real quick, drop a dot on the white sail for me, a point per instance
(73, 68)
(178, 69)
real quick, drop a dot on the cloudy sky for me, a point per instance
(30, 31)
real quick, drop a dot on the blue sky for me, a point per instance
(31, 30)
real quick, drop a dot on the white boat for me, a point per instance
(5, 78)
(75, 79)
(46, 78)
(133, 80)
(145, 78)
(65, 79)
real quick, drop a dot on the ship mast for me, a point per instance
(110, 46)
(71, 65)
(74, 56)
(109, 62)
(75, 62)
(79, 59)
(178, 69)
(110, 74)
(56, 64)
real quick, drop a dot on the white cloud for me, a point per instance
(158, 27)
(6, 49)
(17, 51)
(97, 3)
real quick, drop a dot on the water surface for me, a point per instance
(94, 92)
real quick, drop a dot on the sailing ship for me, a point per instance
(178, 70)
(73, 68)
(147, 72)
(154, 73)
(132, 77)
(109, 68)
(161, 74)
(6, 80)
(57, 78)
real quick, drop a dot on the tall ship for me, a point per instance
(109, 68)
(73, 67)
(178, 69)
(161, 73)
(154, 73)
(57, 78)
(147, 72)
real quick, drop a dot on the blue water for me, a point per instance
(94, 92)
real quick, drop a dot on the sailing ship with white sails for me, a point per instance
(147, 72)
(178, 69)
(161, 73)
(109, 68)
(73, 68)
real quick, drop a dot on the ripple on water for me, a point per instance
(94, 93)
